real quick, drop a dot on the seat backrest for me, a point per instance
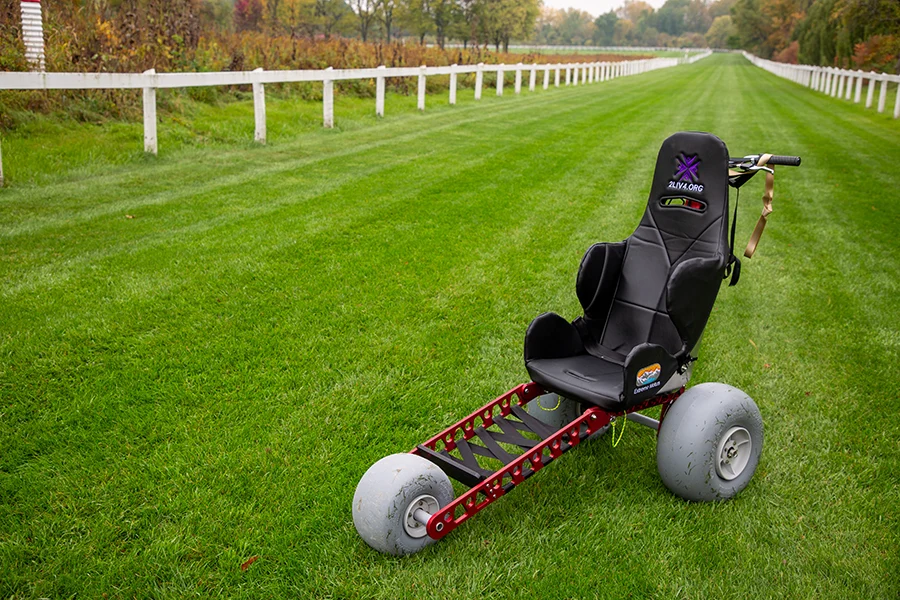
(686, 218)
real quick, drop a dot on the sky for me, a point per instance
(595, 7)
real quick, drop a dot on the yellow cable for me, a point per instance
(615, 442)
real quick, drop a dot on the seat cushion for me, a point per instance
(582, 377)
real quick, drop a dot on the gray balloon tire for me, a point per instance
(690, 436)
(384, 494)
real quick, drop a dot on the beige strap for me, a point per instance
(767, 208)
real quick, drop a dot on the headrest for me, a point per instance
(690, 184)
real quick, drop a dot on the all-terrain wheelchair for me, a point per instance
(646, 302)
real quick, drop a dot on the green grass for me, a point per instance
(593, 50)
(207, 381)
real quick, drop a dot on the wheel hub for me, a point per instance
(733, 453)
(414, 528)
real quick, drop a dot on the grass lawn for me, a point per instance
(594, 50)
(203, 352)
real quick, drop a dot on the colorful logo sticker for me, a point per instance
(687, 174)
(687, 167)
(648, 374)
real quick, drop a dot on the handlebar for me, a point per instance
(788, 161)
(748, 161)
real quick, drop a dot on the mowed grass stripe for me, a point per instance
(208, 381)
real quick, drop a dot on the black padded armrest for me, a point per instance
(647, 368)
(598, 277)
(690, 295)
(551, 336)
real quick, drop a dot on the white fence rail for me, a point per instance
(586, 49)
(837, 83)
(150, 81)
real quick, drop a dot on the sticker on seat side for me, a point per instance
(648, 374)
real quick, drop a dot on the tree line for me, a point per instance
(851, 33)
(847, 33)
(479, 22)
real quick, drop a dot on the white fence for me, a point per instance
(837, 83)
(150, 81)
(584, 49)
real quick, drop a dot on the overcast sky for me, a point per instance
(595, 7)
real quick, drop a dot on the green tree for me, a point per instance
(385, 11)
(605, 29)
(671, 17)
(445, 14)
(503, 20)
(365, 14)
(576, 27)
(415, 17)
(721, 33)
(753, 27)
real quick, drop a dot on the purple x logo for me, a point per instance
(687, 168)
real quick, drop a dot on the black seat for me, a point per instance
(646, 300)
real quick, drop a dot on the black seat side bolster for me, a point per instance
(598, 276)
(691, 293)
(551, 336)
(647, 368)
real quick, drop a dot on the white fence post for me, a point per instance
(882, 95)
(500, 81)
(568, 75)
(150, 115)
(421, 103)
(379, 94)
(547, 78)
(870, 92)
(858, 94)
(479, 80)
(896, 105)
(452, 84)
(518, 78)
(840, 90)
(849, 95)
(556, 77)
(328, 100)
(259, 107)
(532, 78)
(575, 75)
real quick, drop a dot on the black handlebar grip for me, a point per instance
(788, 161)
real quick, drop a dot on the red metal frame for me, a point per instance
(484, 416)
(505, 479)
